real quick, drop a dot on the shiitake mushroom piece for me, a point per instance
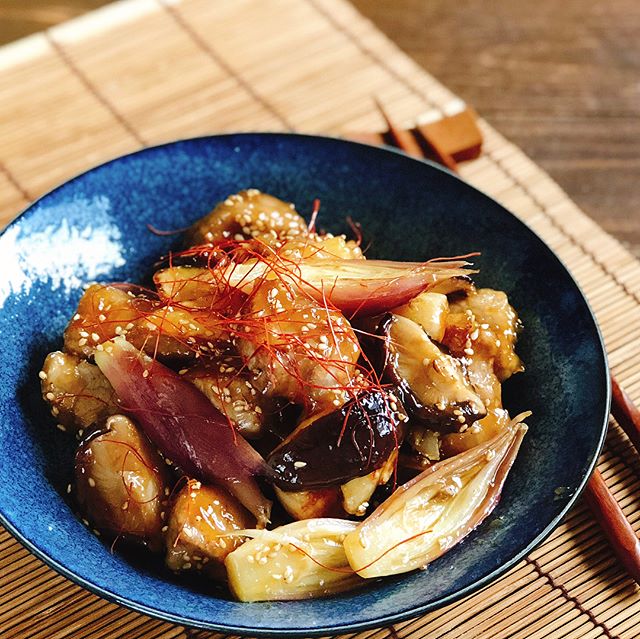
(121, 483)
(432, 384)
(334, 447)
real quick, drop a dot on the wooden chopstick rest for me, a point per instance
(410, 143)
(456, 135)
(448, 139)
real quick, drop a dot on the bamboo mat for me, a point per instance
(140, 72)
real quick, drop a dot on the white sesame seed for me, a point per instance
(95, 337)
(92, 482)
(42, 375)
(50, 396)
(82, 342)
(102, 317)
(164, 528)
(299, 464)
(76, 317)
(68, 489)
(61, 427)
(145, 373)
(84, 334)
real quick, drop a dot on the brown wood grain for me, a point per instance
(560, 79)
(19, 18)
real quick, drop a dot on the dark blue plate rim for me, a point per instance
(366, 624)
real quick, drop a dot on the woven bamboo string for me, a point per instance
(80, 95)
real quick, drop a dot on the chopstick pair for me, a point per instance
(599, 498)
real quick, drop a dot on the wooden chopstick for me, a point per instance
(614, 524)
(626, 413)
(622, 538)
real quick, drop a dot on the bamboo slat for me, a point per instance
(140, 72)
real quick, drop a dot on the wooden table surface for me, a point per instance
(560, 79)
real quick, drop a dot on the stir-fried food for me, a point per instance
(279, 414)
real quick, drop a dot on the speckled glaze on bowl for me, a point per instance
(94, 228)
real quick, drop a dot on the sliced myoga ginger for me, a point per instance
(301, 560)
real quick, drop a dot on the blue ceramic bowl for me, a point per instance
(94, 228)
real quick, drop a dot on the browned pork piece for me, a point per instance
(429, 310)
(297, 348)
(199, 518)
(320, 246)
(233, 393)
(106, 311)
(484, 325)
(77, 392)
(482, 330)
(309, 504)
(248, 214)
(122, 484)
